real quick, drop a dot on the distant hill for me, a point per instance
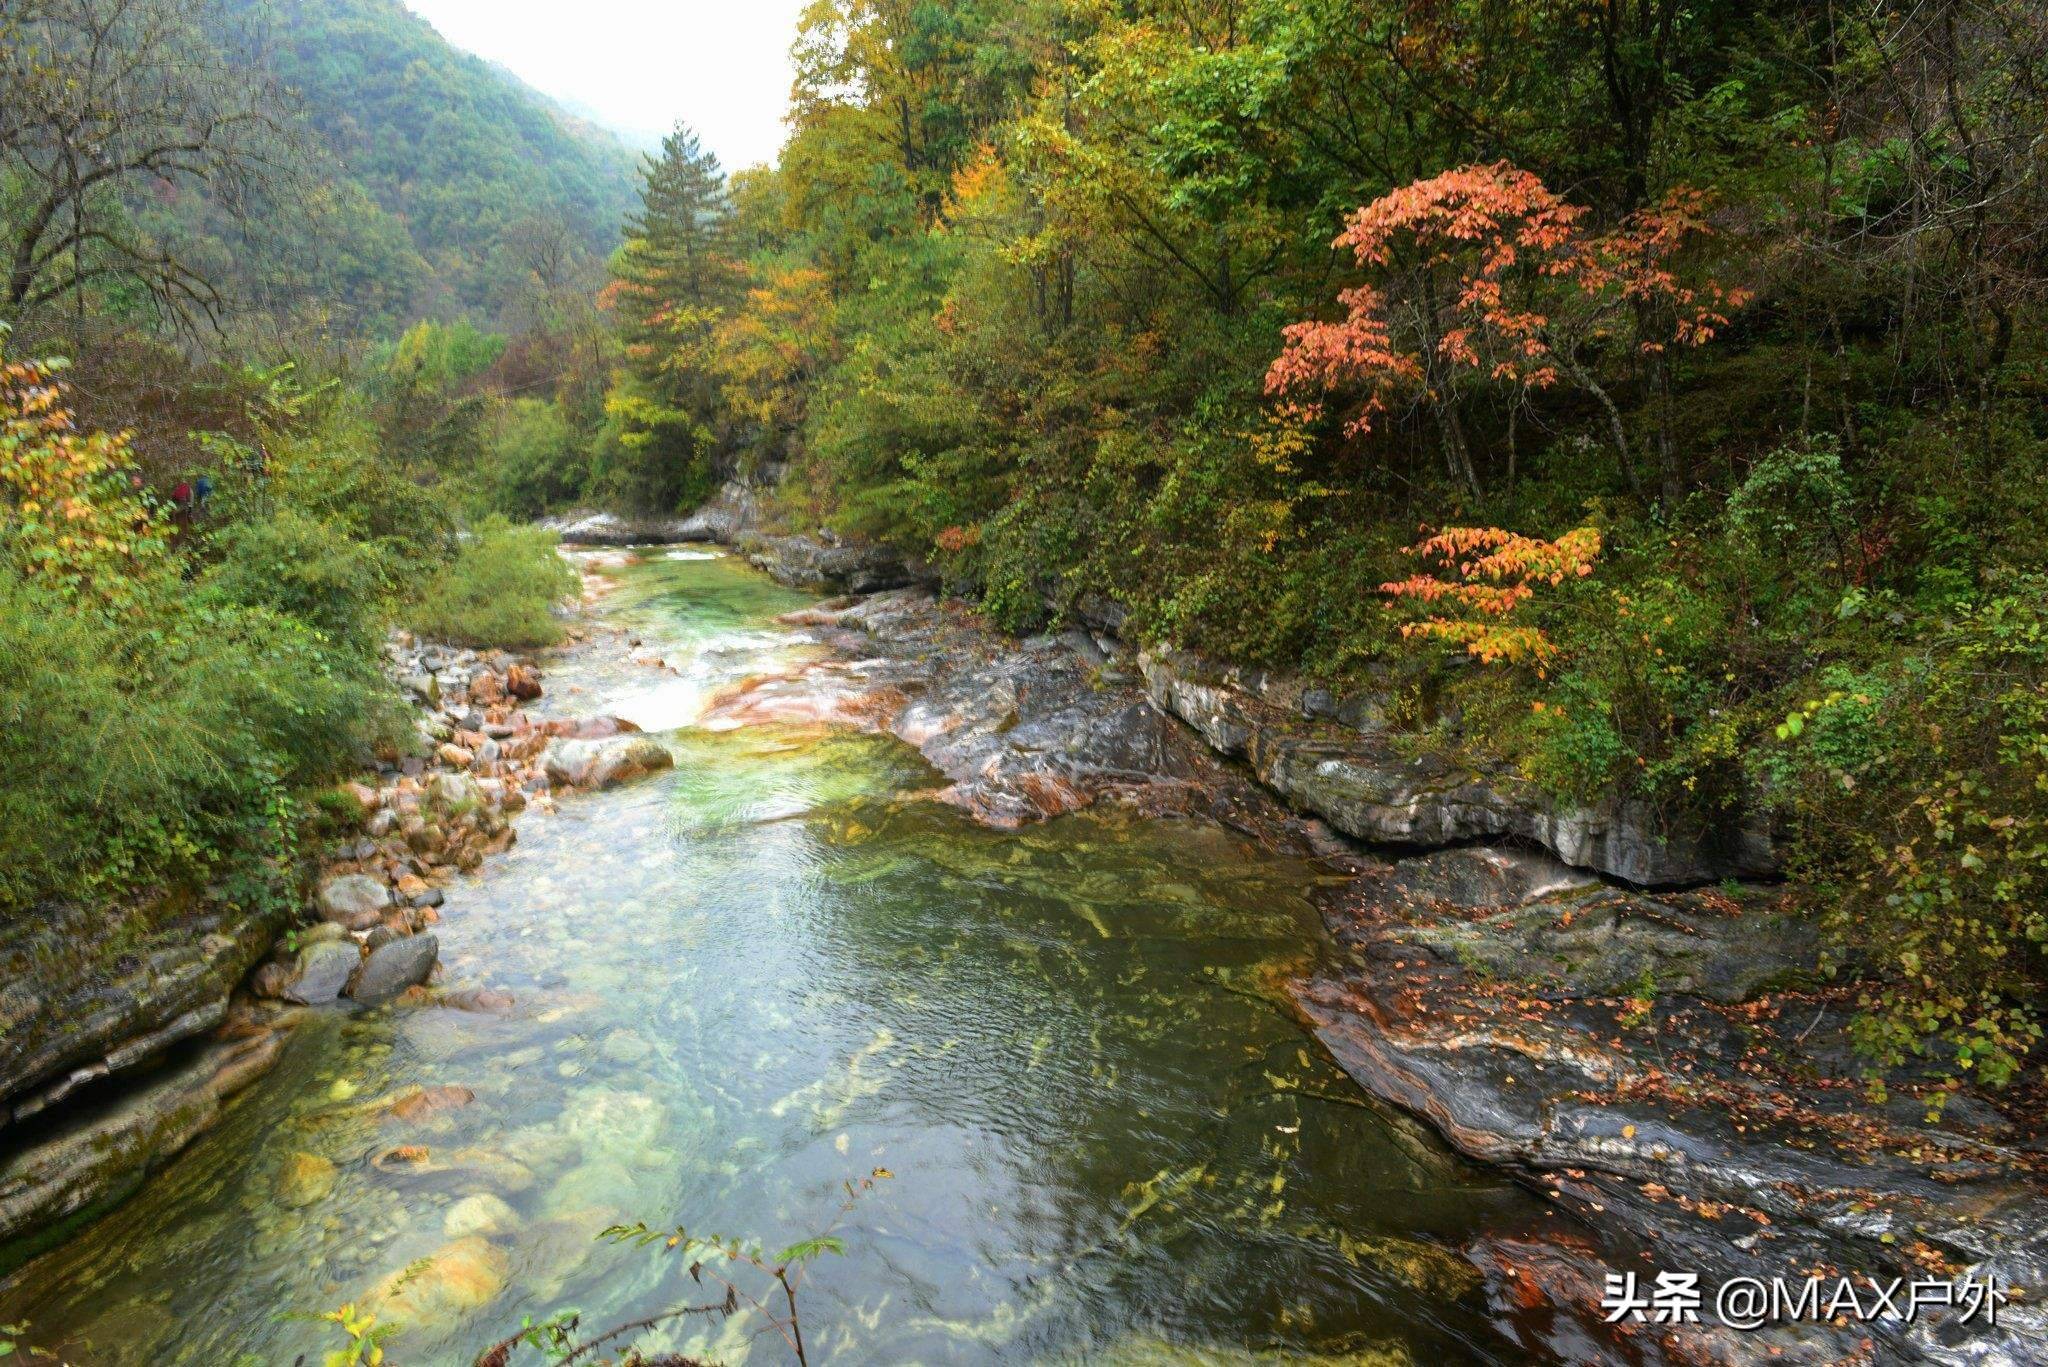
(427, 157)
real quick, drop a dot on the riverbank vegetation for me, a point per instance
(1233, 313)
(1646, 397)
(227, 490)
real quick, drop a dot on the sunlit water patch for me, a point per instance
(710, 998)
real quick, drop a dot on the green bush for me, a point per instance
(1920, 793)
(166, 748)
(536, 459)
(498, 590)
(302, 568)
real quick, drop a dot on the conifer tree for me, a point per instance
(673, 280)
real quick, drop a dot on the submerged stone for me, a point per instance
(463, 1275)
(479, 1213)
(604, 764)
(305, 1180)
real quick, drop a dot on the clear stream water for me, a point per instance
(778, 967)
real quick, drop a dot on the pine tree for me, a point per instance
(676, 264)
(673, 281)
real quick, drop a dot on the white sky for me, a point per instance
(639, 65)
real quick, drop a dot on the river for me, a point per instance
(713, 997)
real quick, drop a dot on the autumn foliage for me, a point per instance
(1484, 272)
(1484, 574)
(69, 514)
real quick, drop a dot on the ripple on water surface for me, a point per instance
(712, 997)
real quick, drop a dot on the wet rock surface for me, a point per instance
(1663, 1064)
(598, 764)
(588, 528)
(323, 970)
(1022, 730)
(89, 991)
(102, 1152)
(393, 967)
(1646, 1059)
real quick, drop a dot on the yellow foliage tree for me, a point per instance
(72, 512)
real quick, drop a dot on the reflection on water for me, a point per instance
(711, 997)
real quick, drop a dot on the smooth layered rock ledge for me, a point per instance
(1333, 761)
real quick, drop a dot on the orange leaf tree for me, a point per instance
(1484, 275)
(1484, 575)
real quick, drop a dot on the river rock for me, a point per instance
(1369, 787)
(585, 528)
(479, 1213)
(454, 791)
(305, 1180)
(397, 966)
(1633, 1054)
(593, 1193)
(461, 1276)
(604, 764)
(355, 901)
(88, 990)
(95, 1161)
(523, 682)
(593, 728)
(419, 1103)
(323, 971)
(271, 981)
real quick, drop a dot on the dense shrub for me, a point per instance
(303, 569)
(164, 747)
(1921, 793)
(536, 460)
(159, 727)
(499, 589)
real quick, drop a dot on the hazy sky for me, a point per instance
(639, 65)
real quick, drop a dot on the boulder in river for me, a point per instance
(354, 901)
(97, 1160)
(323, 971)
(479, 1213)
(463, 1275)
(523, 682)
(393, 968)
(604, 764)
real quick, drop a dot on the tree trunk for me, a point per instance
(1457, 451)
(1616, 431)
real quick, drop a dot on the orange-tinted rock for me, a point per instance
(523, 681)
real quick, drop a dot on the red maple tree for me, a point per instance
(1484, 274)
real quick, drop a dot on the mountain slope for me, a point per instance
(432, 156)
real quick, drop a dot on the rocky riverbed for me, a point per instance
(802, 951)
(1619, 1014)
(1611, 1007)
(121, 1042)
